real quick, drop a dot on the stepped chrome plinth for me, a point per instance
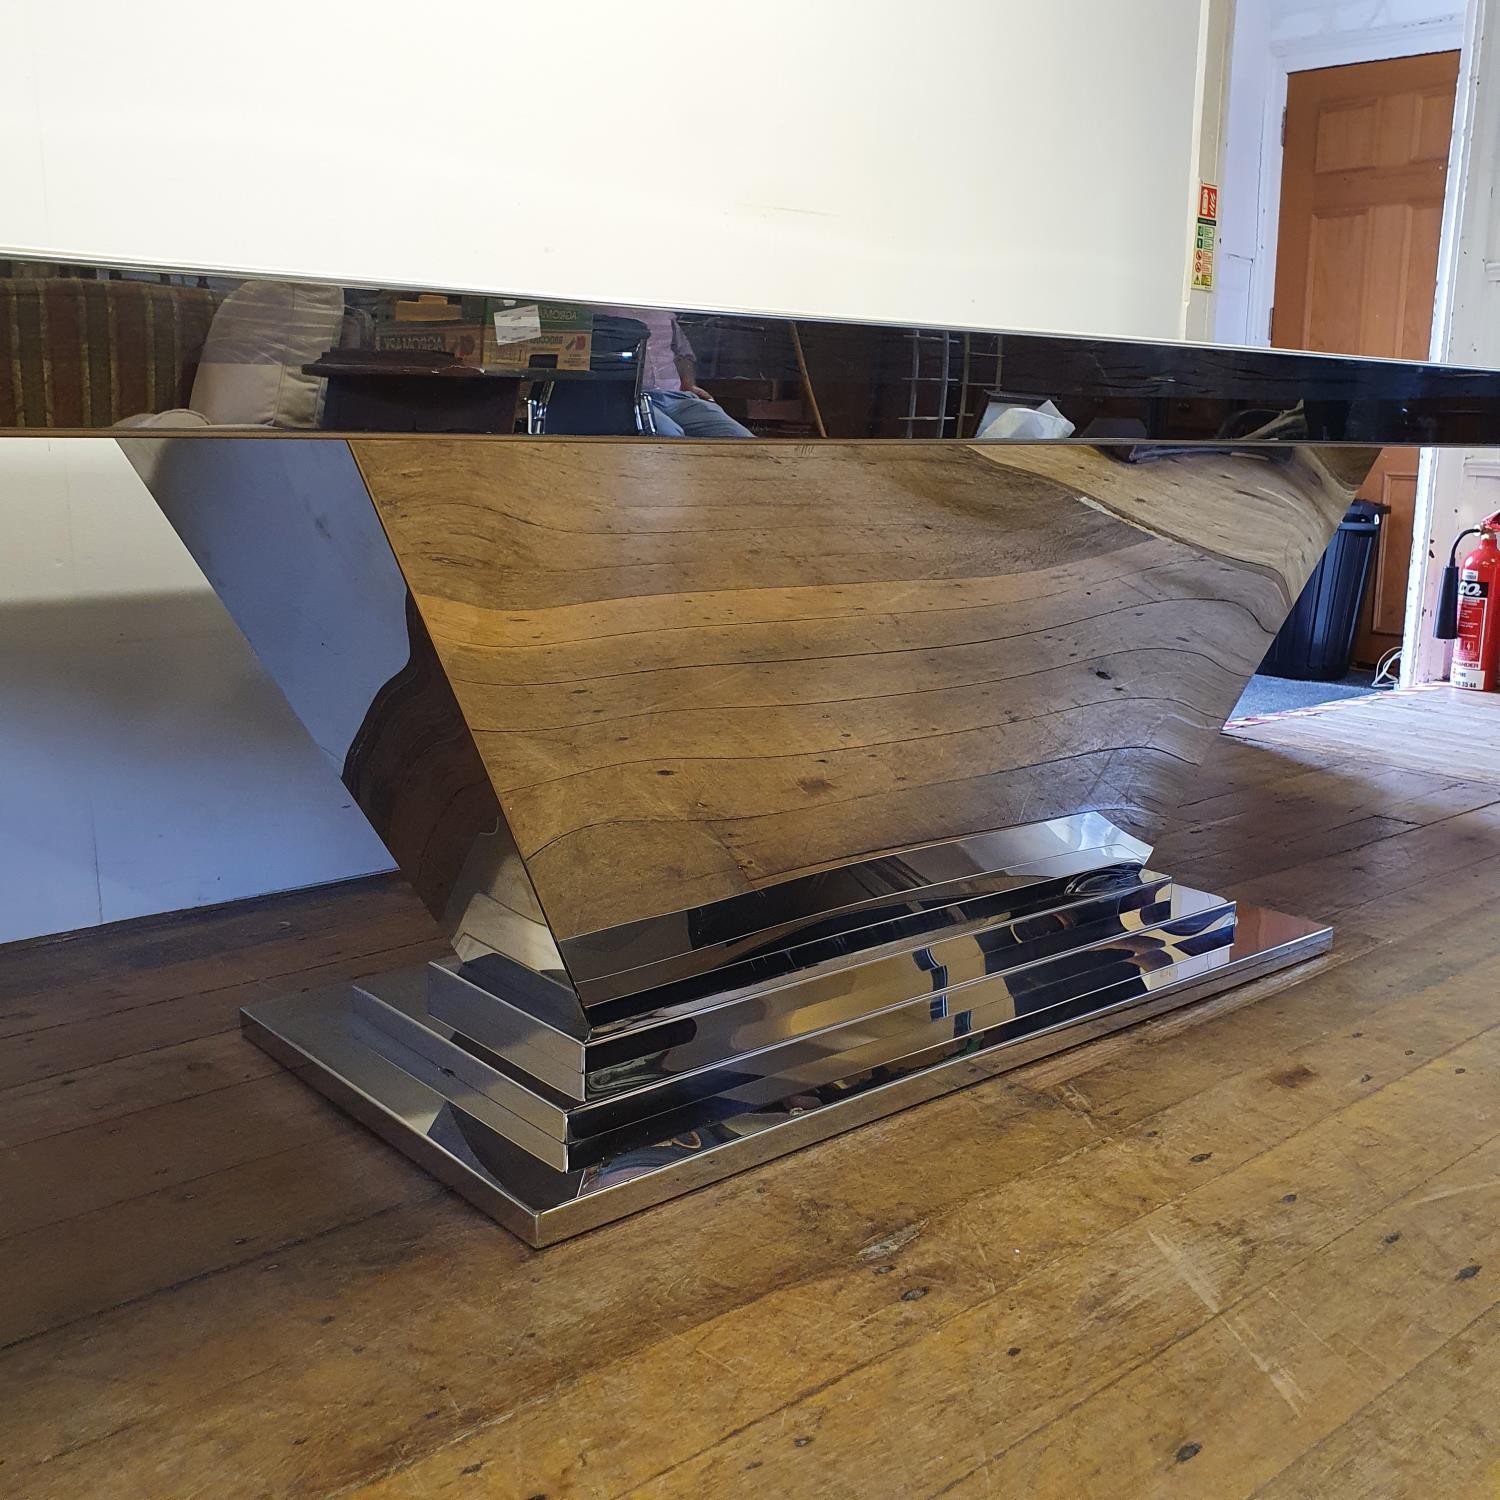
(553, 1127)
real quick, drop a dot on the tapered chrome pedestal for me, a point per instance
(554, 1125)
(760, 789)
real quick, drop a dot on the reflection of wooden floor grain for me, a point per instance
(1440, 729)
(692, 671)
(1249, 1248)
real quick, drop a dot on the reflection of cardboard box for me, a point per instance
(537, 335)
(463, 340)
(427, 322)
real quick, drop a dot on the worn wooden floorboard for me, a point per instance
(1395, 729)
(1233, 1249)
(1435, 1431)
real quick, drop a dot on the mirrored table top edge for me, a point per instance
(89, 350)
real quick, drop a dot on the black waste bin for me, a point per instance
(1317, 641)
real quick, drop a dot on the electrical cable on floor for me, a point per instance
(1386, 669)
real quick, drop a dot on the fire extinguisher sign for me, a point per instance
(1204, 236)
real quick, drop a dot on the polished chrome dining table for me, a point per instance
(763, 785)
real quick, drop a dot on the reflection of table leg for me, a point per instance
(536, 408)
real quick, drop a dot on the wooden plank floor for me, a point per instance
(1438, 728)
(1252, 1248)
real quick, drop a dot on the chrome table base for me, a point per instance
(552, 1132)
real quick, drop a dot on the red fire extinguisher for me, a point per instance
(1469, 610)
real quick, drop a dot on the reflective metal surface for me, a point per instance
(1091, 965)
(806, 987)
(630, 714)
(289, 540)
(543, 1204)
(746, 776)
(705, 680)
(91, 347)
(616, 963)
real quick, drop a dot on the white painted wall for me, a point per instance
(970, 162)
(1271, 39)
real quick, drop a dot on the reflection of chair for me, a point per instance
(606, 400)
(252, 369)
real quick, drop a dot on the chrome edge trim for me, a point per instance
(623, 960)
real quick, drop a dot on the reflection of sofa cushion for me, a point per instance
(174, 420)
(251, 370)
(75, 352)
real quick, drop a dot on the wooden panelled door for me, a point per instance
(1363, 175)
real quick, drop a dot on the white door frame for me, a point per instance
(1422, 658)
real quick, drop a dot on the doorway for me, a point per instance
(1364, 171)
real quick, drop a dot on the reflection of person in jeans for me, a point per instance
(679, 406)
